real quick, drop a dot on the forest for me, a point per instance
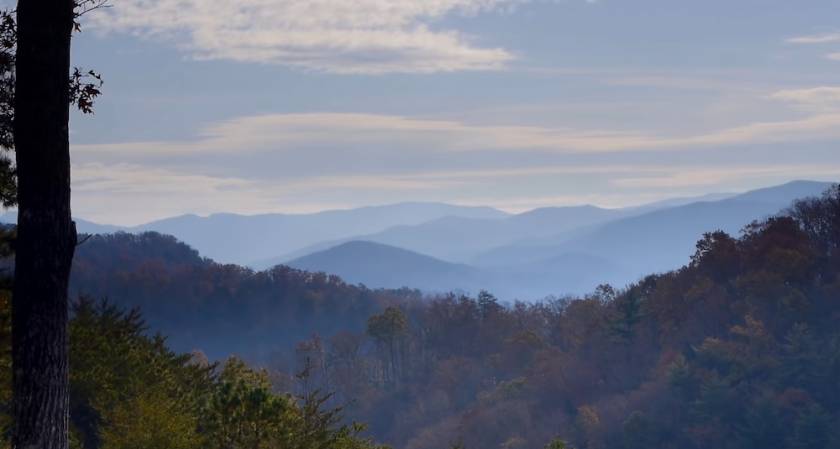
(138, 341)
(739, 349)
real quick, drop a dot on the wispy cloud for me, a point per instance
(101, 191)
(819, 39)
(823, 98)
(325, 131)
(813, 39)
(340, 36)
(294, 162)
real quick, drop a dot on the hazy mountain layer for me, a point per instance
(555, 251)
(439, 247)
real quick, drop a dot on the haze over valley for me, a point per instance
(439, 248)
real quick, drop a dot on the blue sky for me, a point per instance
(255, 106)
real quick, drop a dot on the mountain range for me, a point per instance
(440, 247)
(552, 251)
(253, 239)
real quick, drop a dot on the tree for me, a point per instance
(243, 412)
(46, 234)
(128, 389)
(388, 329)
(488, 305)
(820, 219)
(8, 41)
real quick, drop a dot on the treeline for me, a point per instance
(740, 349)
(220, 309)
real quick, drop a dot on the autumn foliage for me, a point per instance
(739, 349)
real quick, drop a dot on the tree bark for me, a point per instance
(46, 236)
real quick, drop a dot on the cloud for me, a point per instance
(826, 38)
(336, 132)
(339, 36)
(102, 191)
(819, 39)
(823, 98)
(308, 162)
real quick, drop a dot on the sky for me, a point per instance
(257, 106)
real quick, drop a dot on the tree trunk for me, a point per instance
(46, 233)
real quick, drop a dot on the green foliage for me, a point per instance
(388, 326)
(116, 366)
(151, 420)
(129, 391)
(389, 329)
(242, 411)
(557, 444)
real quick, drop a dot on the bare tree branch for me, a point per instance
(85, 6)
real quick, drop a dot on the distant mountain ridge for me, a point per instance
(467, 240)
(441, 247)
(558, 257)
(384, 266)
(244, 239)
(665, 236)
(376, 265)
(458, 239)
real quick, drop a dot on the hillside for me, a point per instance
(459, 239)
(384, 266)
(738, 349)
(387, 267)
(219, 309)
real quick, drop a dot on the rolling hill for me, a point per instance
(554, 251)
(458, 239)
(244, 239)
(218, 309)
(384, 266)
